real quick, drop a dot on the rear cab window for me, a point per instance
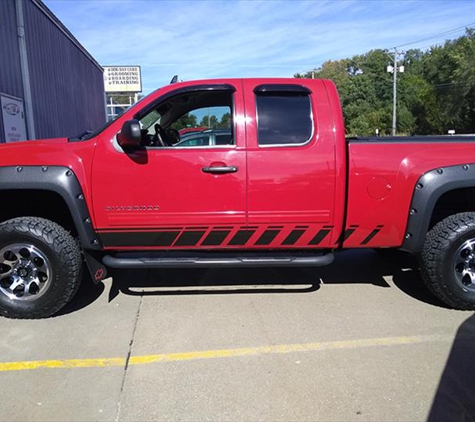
(284, 115)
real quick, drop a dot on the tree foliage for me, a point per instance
(212, 122)
(435, 93)
(188, 120)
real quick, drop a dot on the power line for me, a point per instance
(445, 85)
(432, 45)
(437, 35)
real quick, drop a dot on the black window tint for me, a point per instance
(283, 118)
(224, 139)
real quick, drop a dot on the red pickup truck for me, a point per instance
(281, 187)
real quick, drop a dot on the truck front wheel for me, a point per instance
(40, 267)
(448, 261)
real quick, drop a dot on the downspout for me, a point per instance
(25, 72)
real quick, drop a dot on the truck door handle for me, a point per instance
(220, 169)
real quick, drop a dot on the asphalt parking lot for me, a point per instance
(360, 340)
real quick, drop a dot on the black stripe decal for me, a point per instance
(348, 232)
(215, 238)
(320, 236)
(241, 237)
(371, 235)
(292, 238)
(267, 237)
(190, 238)
(139, 238)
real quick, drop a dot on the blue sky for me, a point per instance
(248, 38)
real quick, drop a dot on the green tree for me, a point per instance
(210, 122)
(435, 93)
(186, 121)
(464, 78)
(225, 122)
(449, 70)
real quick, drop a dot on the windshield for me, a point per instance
(150, 119)
(91, 134)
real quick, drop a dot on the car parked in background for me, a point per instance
(188, 130)
(210, 137)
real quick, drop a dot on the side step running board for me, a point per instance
(177, 260)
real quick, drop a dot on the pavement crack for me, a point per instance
(127, 359)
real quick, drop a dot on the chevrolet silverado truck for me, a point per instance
(281, 187)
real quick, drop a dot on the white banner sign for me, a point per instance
(13, 118)
(122, 79)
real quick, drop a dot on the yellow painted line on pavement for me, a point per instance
(223, 353)
(66, 363)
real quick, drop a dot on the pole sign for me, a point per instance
(122, 79)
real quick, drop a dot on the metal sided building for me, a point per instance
(50, 86)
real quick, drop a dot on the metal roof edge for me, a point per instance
(52, 17)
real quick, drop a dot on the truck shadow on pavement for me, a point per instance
(88, 293)
(350, 267)
(455, 396)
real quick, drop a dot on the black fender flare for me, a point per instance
(429, 188)
(62, 181)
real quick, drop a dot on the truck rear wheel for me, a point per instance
(40, 268)
(448, 261)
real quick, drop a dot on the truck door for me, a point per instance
(291, 163)
(185, 187)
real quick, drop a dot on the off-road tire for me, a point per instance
(441, 248)
(63, 255)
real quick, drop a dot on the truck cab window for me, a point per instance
(195, 119)
(284, 118)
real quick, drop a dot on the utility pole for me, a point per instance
(393, 132)
(394, 69)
